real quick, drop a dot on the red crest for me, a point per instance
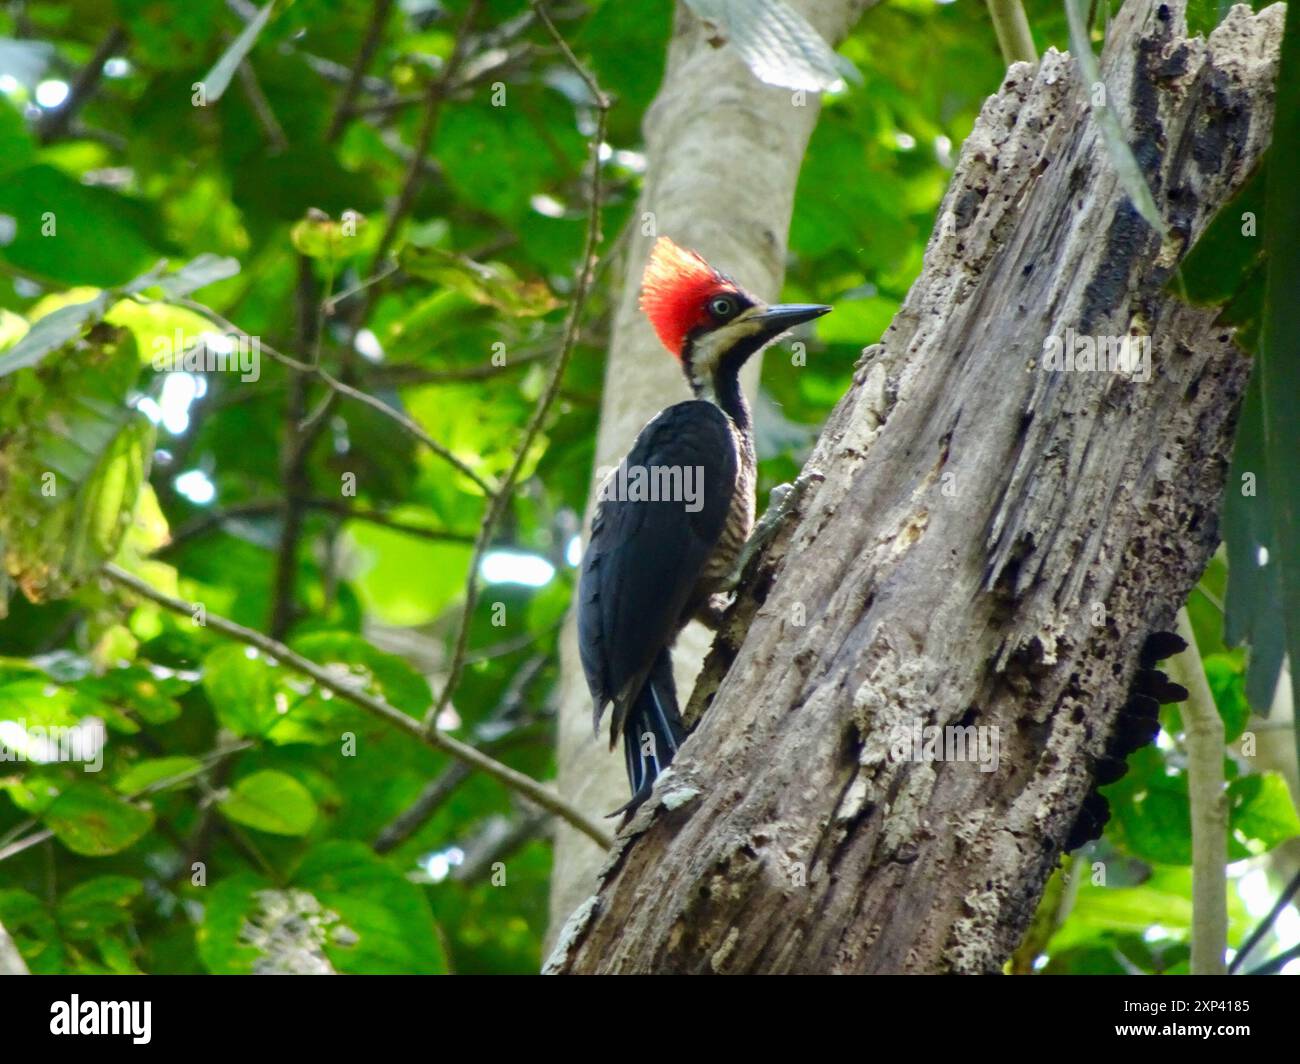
(675, 292)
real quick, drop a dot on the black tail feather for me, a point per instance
(652, 732)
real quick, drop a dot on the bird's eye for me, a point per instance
(722, 306)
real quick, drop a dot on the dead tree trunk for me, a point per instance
(991, 543)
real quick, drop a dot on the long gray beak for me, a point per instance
(777, 319)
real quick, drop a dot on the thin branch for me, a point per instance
(331, 305)
(55, 123)
(293, 459)
(437, 94)
(582, 287)
(343, 389)
(11, 849)
(1276, 964)
(497, 840)
(399, 375)
(1205, 745)
(535, 792)
(410, 426)
(1284, 899)
(509, 646)
(265, 507)
(366, 53)
(1012, 28)
(262, 108)
(431, 798)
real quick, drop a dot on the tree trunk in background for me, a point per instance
(990, 546)
(723, 156)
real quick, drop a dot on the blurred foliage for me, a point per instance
(241, 819)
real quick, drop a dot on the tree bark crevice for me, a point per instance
(990, 544)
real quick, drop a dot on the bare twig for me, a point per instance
(397, 374)
(1205, 744)
(26, 842)
(343, 389)
(535, 792)
(262, 107)
(497, 840)
(1252, 940)
(414, 816)
(366, 53)
(1276, 964)
(55, 123)
(265, 507)
(1012, 29)
(434, 98)
(410, 426)
(293, 459)
(582, 287)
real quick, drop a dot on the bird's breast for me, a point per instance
(740, 518)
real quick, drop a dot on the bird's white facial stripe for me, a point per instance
(708, 349)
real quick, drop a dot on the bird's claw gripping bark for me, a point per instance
(781, 503)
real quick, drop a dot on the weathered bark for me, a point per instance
(723, 156)
(990, 546)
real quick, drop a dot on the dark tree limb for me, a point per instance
(57, 122)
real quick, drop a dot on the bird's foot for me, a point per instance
(784, 498)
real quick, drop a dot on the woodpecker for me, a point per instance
(673, 525)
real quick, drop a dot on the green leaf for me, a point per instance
(271, 801)
(217, 80)
(386, 560)
(34, 931)
(1151, 814)
(199, 272)
(490, 284)
(1225, 680)
(1262, 814)
(145, 774)
(227, 906)
(388, 915)
(1253, 601)
(1229, 250)
(52, 332)
(93, 906)
(498, 158)
(390, 676)
(318, 236)
(241, 685)
(75, 464)
(91, 820)
(1279, 351)
(76, 233)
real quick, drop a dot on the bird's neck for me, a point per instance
(723, 390)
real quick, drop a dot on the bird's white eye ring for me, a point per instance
(721, 307)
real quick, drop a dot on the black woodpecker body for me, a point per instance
(673, 518)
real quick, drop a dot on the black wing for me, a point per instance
(645, 557)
